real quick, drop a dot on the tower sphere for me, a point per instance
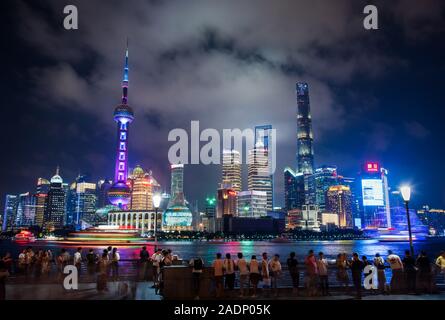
(123, 113)
(119, 194)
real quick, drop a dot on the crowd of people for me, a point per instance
(409, 274)
(413, 275)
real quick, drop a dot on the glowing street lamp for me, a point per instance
(156, 204)
(406, 195)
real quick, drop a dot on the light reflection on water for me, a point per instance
(207, 251)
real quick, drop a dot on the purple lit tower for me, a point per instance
(119, 193)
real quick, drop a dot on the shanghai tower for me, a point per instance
(119, 193)
(305, 150)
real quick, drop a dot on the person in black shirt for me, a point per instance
(409, 266)
(292, 265)
(357, 267)
(144, 256)
(424, 272)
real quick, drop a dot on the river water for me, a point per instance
(188, 249)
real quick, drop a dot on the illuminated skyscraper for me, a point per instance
(339, 201)
(305, 151)
(54, 215)
(252, 204)
(10, 212)
(177, 185)
(231, 169)
(374, 197)
(265, 135)
(41, 196)
(81, 202)
(294, 196)
(258, 178)
(142, 189)
(325, 177)
(26, 210)
(119, 194)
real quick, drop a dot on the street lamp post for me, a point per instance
(406, 195)
(156, 204)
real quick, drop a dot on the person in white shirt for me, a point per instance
(243, 274)
(22, 261)
(397, 271)
(265, 274)
(254, 269)
(78, 259)
(322, 265)
(229, 269)
(156, 259)
(275, 272)
(218, 273)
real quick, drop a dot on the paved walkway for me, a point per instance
(87, 291)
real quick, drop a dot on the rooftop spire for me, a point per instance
(125, 79)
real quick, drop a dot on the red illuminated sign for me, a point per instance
(372, 167)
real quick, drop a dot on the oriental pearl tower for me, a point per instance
(119, 193)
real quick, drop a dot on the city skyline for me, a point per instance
(382, 129)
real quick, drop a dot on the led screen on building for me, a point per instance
(177, 218)
(372, 192)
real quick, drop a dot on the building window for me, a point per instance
(120, 176)
(123, 126)
(121, 156)
(122, 146)
(121, 166)
(123, 136)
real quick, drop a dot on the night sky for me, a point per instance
(375, 95)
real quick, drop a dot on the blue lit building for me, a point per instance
(294, 191)
(11, 203)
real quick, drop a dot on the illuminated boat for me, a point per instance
(24, 236)
(104, 235)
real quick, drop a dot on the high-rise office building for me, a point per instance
(41, 196)
(305, 151)
(294, 193)
(54, 215)
(374, 197)
(81, 202)
(339, 201)
(259, 178)
(210, 213)
(325, 177)
(226, 203)
(231, 169)
(120, 193)
(177, 184)
(265, 135)
(26, 210)
(8, 219)
(252, 204)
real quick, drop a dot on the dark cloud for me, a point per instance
(229, 64)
